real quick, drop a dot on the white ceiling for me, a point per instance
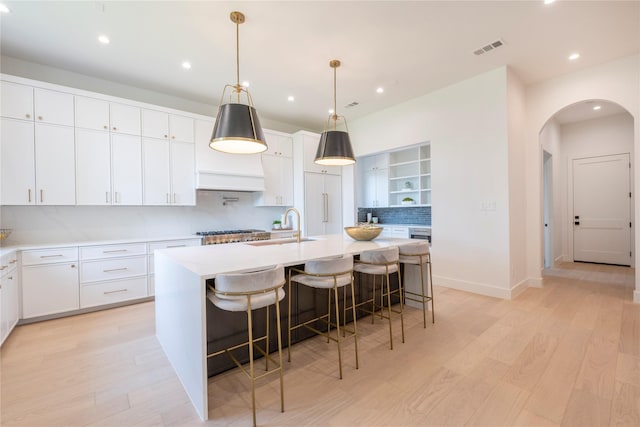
(409, 48)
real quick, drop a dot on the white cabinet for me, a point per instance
(9, 295)
(126, 169)
(323, 204)
(165, 244)
(17, 101)
(18, 162)
(373, 175)
(91, 113)
(55, 165)
(161, 125)
(169, 172)
(395, 231)
(277, 163)
(50, 287)
(307, 142)
(124, 118)
(53, 107)
(93, 168)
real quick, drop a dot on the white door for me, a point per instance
(126, 169)
(333, 200)
(55, 165)
(18, 165)
(601, 209)
(183, 174)
(93, 167)
(53, 107)
(547, 209)
(156, 165)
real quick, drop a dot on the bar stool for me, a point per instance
(418, 254)
(329, 274)
(382, 262)
(247, 292)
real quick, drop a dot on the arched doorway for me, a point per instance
(573, 140)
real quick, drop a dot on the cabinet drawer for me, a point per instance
(49, 256)
(94, 271)
(112, 292)
(49, 289)
(8, 262)
(151, 265)
(112, 251)
(151, 285)
(167, 244)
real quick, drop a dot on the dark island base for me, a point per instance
(226, 329)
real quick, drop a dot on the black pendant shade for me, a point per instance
(334, 149)
(238, 130)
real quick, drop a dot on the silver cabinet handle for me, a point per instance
(116, 197)
(29, 192)
(166, 136)
(39, 117)
(51, 256)
(174, 198)
(326, 206)
(116, 291)
(105, 126)
(13, 261)
(106, 197)
(111, 270)
(3, 267)
(115, 128)
(113, 251)
(28, 116)
(10, 278)
(41, 196)
(176, 246)
(167, 198)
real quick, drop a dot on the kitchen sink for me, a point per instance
(279, 241)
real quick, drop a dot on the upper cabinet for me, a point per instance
(17, 101)
(279, 144)
(124, 118)
(53, 107)
(373, 177)
(161, 125)
(92, 113)
(277, 163)
(17, 156)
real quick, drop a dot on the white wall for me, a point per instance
(467, 126)
(517, 202)
(59, 224)
(617, 81)
(589, 138)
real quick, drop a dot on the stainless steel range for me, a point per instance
(232, 236)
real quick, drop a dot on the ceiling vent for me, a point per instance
(353, 104)
(488, 48)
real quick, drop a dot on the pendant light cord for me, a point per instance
(335, 110)
(238, 60)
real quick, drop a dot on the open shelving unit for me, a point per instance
(410, 176)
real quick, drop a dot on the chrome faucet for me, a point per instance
(286, 215)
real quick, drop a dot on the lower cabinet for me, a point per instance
(103, 293)
(49, 289)
(9, 299)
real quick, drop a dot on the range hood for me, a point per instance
(232, 172)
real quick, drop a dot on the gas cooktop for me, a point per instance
(231, 236)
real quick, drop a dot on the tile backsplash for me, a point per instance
(398, 215)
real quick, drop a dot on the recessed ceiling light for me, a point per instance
(331, 111)
(245, 84)
(597, 107)
(186, 65)
(380, 90)
(574, 56)
(290, 98)
(4, 9)
(104, 39)
(549, 1)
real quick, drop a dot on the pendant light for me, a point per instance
(237, 129)
(334, 148)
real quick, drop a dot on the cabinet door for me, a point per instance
(155, 124)
(11, 299)
(333, 216)
(53, 107)
(17, 101)
(310, 148)
(4, 319)
(156, 171)
(369, 189)
(183, 173)
(93, 167)
(286, 181)
(91, 113)
(181, 128)
(314, 204)
(279, 145)
(381, 178)
(49, 289)
(55, 165)
(272, 180)
(18, 162)
(126, 169)
(124, 118)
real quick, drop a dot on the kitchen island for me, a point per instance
(181, 301)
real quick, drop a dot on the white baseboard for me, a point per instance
(519, 288)
(475, 287)
(535, 282)
(636, 297)
(561, 258)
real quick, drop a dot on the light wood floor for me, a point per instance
(566, 354)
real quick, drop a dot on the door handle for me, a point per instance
(576, 222)
(325, 197)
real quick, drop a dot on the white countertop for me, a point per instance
(207, 261)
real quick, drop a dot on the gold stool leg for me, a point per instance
(280, 352)
(329, 318)
(289, 321)
(373, 300)
(433, 311)
(401, 302)
(424, 302)
(353, 310)
(389, 310)
(338, 339)
(266, 344)
(252, 375)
